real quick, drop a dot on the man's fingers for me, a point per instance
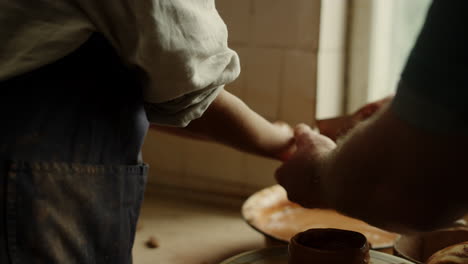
(302, 133)
(306, 138)
(302, 129)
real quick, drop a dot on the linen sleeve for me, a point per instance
(179, 46)
(433, 90)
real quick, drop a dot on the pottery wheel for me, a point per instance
(279, 255)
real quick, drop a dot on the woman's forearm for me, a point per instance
(231, 122)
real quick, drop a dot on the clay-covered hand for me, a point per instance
(369, 109)
(300, 174)
(339, 126)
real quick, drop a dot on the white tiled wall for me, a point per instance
(332, 58)
(263, 74)
(277, 41)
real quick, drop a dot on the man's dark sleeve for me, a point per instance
(433, 91)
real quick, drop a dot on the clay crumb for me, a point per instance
(139, 226)
(152, 243)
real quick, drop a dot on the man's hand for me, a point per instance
(300, 174)
(370, 109)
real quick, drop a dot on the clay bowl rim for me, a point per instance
(294, 240)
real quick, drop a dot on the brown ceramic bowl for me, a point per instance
(418, 248)
(328, 245)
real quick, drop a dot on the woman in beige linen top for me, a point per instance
(80, 79)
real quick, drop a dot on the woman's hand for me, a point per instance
(289, 147)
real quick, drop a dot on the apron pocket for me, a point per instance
(72, 213)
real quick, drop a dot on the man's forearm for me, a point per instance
(396, 176)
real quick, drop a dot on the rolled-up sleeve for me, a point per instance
(179, 47)
(180, 111)
(433, 91)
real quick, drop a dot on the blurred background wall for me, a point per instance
(301, 60)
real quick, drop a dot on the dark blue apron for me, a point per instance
(71, 178)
